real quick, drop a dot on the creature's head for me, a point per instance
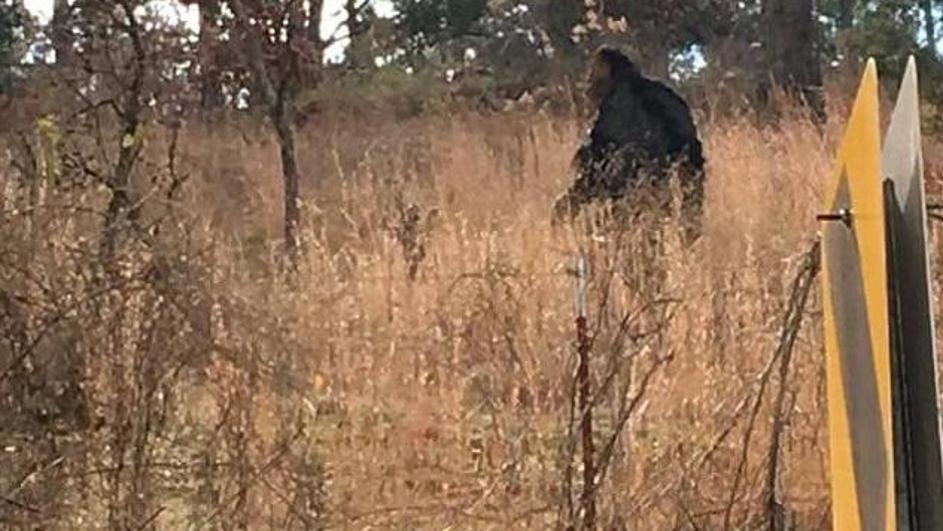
(609, 66)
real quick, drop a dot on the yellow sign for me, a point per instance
(856, 327)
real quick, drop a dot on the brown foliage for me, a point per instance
(194, 387)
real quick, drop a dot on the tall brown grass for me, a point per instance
(208, 391)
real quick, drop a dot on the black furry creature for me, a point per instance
(643, 133)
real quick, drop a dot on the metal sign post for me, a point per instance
(884, 431)
(917, 437)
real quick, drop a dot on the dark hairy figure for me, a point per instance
(643, 133)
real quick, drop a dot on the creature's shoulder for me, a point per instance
(661, 94)
(663, 101)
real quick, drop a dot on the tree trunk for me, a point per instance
(121, 209)
(292, 197)
(315, 16)
(929, 20)
(210, 79)
(731, 73)
(846, 14)
(281, 106)
(62, 41)
(358, 31)
(844, 41)
(792, 57)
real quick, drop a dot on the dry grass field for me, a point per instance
(192, 385)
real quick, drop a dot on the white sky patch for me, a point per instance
(190, 15)
(40, 8)
(331, 25)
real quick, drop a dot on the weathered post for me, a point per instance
(588, 497)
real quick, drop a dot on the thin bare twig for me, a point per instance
(624, 416)
(792, 324)
(799, 295)
(255, 477)
(20, 505)
(150, 520)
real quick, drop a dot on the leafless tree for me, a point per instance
(283, 52)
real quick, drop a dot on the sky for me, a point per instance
(335, 16)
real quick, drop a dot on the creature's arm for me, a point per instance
(584, 165)
(580, 192)
(609, 129)
(585, 155)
